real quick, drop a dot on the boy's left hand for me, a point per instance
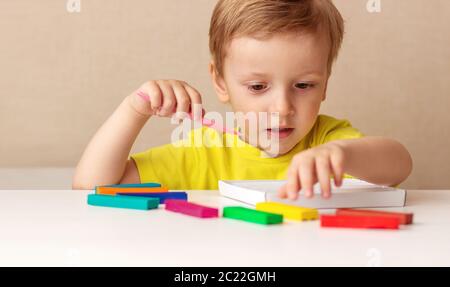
(314, 165)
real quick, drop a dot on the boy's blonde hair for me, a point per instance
(263, 18)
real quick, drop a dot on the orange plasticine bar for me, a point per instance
(114, 190)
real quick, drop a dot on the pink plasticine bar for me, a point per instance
(205, 122)
(188, 208)
(144, 96)
(211, 124)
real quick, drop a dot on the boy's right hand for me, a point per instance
(165, 98)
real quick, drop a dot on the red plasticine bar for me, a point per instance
(192, 209)
(405, 218)
(359, 221)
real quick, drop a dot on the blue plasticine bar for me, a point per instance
(130, 202)
(161, 195)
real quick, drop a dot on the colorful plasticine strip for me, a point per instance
(404, 218)
(123, 201)
(163, 196)
(114, 190)
(192, 209)
(126, 185)
(251, 215)
(288, 211)
(359, 221)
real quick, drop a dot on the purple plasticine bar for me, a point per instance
(190, 208)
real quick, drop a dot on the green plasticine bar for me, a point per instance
(251, 215)
(122, 201)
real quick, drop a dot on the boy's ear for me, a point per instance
(219, 84)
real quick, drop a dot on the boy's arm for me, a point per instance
(378, 160)
(105, 159)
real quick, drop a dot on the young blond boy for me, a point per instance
(271, 56)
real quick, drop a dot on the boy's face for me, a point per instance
(286, 74)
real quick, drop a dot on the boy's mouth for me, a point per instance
(280, 132)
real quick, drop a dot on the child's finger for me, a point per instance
(323, 175)
(196, 98)
(196, 101)
(336, 162)
(293, 183)
(169, 100)
(143, 96)
(154, 93)
(140, 101)
(282, 191)
(183, 100)
(307, 174)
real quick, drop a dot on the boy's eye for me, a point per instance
(303, 86)
(261, 87)
(257, 87)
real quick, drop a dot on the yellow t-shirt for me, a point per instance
(200, 167)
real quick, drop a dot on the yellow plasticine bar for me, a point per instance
(289, 211)
(107, 190)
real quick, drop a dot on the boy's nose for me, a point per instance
(283, 106)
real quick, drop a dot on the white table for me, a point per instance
(57, 227)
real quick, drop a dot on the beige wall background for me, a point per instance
(62, 74)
